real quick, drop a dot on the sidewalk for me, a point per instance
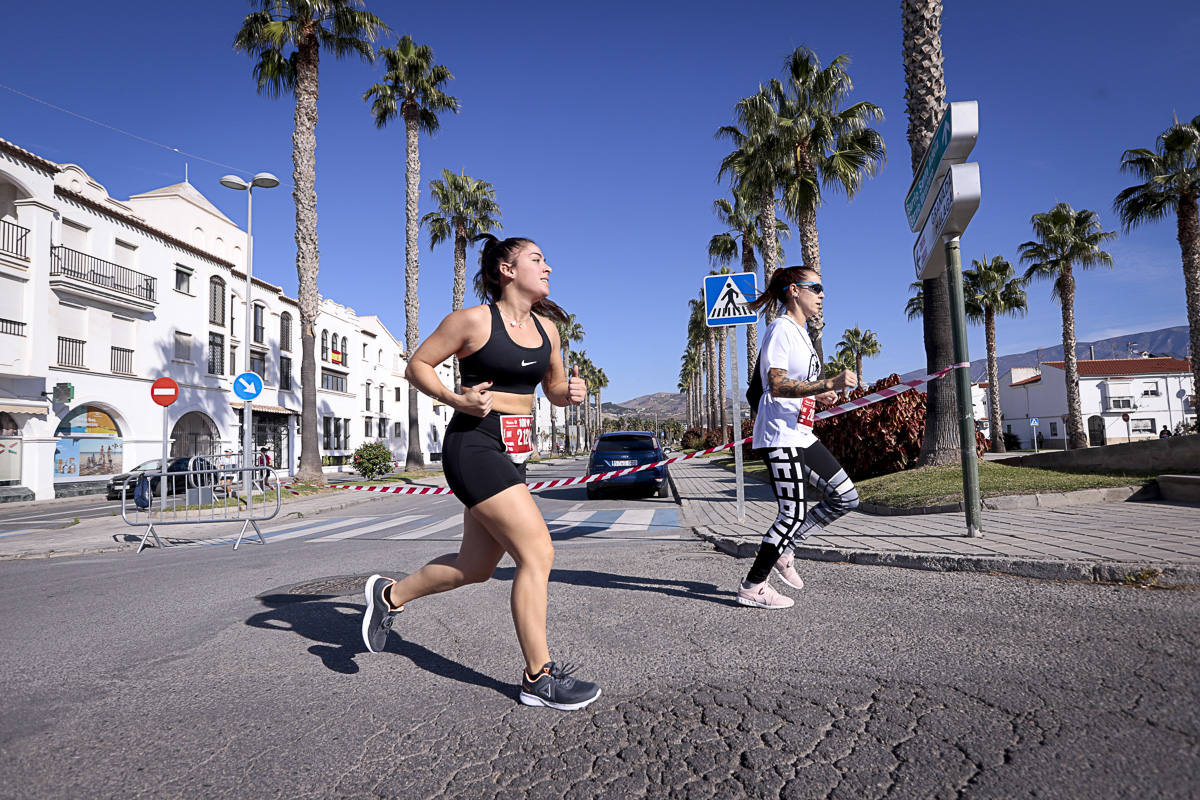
(1149, 542)
(108, 534)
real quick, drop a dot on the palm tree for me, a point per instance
(757, 167)
(1066, 238)
(915, 307)
(836, 364)
(570, 331)
(287, 37)
(991, 288)
(411, 89)
(466, 209)
(857, 345)
(601, 382)
(925, 102)
(834, 147)
(741, 230)
(1172, 183)
(698, 333)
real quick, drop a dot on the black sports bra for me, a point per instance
(511, 367)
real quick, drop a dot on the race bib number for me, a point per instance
(516, 431)
(808, 407)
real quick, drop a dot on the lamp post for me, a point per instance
(263, 180)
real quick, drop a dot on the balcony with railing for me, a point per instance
(13, 240)
(12, 327)
(122, 361)
(105, 274)
(70, 352)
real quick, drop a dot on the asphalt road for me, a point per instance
(204, 672)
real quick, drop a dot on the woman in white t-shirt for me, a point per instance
(783, 428)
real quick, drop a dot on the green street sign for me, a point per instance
(951, 144)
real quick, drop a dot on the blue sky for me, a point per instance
(595, 124)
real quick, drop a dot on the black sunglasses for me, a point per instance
(815, 288)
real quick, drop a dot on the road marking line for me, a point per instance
(337, 523)
(449, 522)
(390, 522)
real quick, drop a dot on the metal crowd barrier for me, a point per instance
(249, 495)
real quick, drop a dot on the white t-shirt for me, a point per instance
(785, 346)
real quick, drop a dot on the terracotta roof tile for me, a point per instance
(1126, 366)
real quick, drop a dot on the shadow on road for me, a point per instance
(322, 619)
(688, 590)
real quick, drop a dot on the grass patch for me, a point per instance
(931, 486)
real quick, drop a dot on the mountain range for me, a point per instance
(1162, 342)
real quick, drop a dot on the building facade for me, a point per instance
(99, 297)
(1153, 392)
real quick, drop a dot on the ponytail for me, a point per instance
(777, 288)
(487, 283)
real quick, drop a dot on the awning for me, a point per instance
(13, 406)
(266, 408)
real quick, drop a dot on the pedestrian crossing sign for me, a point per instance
(727, 298)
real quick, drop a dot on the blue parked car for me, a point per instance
(613, 451)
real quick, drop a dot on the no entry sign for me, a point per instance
(164, 391)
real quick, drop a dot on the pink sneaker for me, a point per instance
(786, 567)
(762, 596)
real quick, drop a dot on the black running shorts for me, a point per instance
(474, 459)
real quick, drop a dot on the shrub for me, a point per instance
(372, 459)
(712, 438)
(1011, 441)
(880, 438)
(692, 439)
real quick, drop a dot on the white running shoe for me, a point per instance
(762, 596)
(786, 567)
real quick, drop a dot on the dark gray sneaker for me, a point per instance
(554, 688)
(377, 619)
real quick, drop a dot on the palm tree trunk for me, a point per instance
(1188, 224)
(996, 418)
(1076, 438)
(925, 101)
(460, 284)
(712, 380)
(858, 366)
(304, 178)
(810, 249)
(412, 303)
(722, 379)
(553, 431)
(770, 247)
(752, 328)
(566, 359)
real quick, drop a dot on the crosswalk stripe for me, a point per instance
(337, 523)
(388, 522)
(449, 522)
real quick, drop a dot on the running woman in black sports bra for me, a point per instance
(505, 348)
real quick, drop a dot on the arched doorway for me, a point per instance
(89, 445)
(1096, 431)
(194, 434)
(10, 451)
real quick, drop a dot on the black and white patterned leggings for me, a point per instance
(790, 468)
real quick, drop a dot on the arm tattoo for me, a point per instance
(783, 386)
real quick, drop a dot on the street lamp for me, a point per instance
(263, 180)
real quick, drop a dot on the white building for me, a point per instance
(99, 297)
(1153, 392)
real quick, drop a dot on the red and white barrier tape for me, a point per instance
(851, 405)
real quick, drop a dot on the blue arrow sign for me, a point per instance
(726, 299)
(247, 386)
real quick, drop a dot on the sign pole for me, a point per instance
(162, 481)
(737, 424)
(962, 383)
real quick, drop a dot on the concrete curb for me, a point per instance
(1135, 573)
(1011, 502)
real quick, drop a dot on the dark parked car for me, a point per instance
(152, 469)
(613, 451)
